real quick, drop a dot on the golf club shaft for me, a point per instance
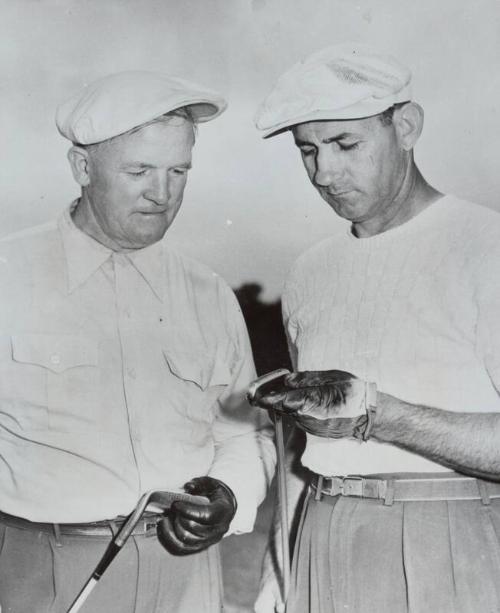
(283, 500)
(106, 560)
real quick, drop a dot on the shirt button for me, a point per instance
(131, 373)
(55, 359)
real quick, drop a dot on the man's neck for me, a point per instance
(84, 219)
(414, 195)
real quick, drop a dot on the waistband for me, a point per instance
(106, 528)
(397, 488)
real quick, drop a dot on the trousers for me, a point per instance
(42, 574)
(360, 556)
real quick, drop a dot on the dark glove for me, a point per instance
(329, 403)
(188, 528)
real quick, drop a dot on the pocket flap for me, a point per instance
(202, 372)
(57, 353)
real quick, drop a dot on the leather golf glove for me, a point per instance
(189, 528)
(328, 403)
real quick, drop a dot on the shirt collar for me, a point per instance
(150, 264)
(84, 256)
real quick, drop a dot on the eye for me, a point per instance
(137, 173)
(306, 151)
(348, 146)
(180, 171)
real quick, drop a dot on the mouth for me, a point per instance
(339, 193)
(152, 213)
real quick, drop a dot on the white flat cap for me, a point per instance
(340, 82)
(125, 100)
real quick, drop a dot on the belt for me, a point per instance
(107, 528)
(402, 489)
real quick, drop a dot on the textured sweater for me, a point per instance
(415, 309)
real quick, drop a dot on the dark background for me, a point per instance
(242, 555)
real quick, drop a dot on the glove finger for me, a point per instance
(200, 486)
(317, 377)
(326, 428)
(187, 537)
(272, 401)
(169, 539)
(202, 514)
(195, 528)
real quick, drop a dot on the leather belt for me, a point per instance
(107, 528)
(402, 489)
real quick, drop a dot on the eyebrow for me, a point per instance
(329, 140)
(187, 165)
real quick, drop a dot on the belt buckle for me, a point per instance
(150, 524)
(352, 486)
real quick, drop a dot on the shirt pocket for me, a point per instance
(68, 367)
(201, 382)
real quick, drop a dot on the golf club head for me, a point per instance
(265, 384)
(161, 500)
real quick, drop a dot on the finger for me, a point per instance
(187, 537)
(171, 542)
(200, 486)
(326, 428)
(209, 514)
(308, 378)
(292, 401)
(199, 530)
(202, 514)
(272, 401)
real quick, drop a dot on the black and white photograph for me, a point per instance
(250, 306)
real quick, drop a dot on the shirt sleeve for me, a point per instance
(245, 456)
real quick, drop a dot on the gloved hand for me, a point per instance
(189, 528)
(329, 403)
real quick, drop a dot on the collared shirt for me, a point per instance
(120, 373)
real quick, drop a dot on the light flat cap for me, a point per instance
(120, 102)
(340, 82)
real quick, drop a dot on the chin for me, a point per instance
(149, 236)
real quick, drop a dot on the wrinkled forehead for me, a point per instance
(167, 127)
(324, 131)
(156, 144)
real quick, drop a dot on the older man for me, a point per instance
(403, 510)
(123, 367)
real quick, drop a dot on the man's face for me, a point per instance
(136, 183)
(357, 166)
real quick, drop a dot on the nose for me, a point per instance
(327, 169)
(158, 190)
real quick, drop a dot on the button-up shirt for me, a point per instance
(120, 373)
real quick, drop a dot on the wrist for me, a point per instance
(363, 425)
(229, 493)
(387, 410)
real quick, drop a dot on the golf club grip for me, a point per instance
(106, 560)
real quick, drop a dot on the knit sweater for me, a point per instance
(415, 309)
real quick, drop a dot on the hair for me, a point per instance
(387, 115)
(184, 113)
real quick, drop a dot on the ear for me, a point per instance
(79, 161)
(408, 121)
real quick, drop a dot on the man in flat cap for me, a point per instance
(394, 329)
(123, 369)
